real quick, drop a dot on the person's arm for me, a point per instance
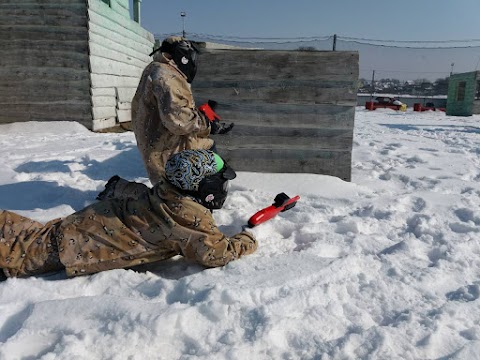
(219, 249)
(206, 244)
(176, 106)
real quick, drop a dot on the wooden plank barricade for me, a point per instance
(293, 110)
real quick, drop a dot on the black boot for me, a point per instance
(109, 191)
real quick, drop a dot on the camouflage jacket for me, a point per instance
(165, 119)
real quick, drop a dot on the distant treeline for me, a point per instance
(421, 87)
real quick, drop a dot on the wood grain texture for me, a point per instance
(29, 3)
(328, 162)
(293, 110)
(44, 66)
(61, 111)
(32, 33)
(64, 59)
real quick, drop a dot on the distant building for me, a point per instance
(464, 94)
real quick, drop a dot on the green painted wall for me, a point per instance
(463, 107)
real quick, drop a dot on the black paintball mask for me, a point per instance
(185, 56)
(183, 52)
(213, 189)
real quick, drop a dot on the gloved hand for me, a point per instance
(220, 127)
(225, 128)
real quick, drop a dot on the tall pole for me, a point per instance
(183, 14)
(334, 42)
(373, 85)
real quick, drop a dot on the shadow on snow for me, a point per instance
(43, 194)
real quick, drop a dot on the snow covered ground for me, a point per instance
(384, 267)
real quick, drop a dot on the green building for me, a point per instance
(464, 94)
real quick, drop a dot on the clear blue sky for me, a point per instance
(401, 20)
(408, 20)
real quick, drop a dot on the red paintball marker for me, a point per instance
(282, 202)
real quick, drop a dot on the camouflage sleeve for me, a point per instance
(220, 250)
(198, 237)
(176, 106)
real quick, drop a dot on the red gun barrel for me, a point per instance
(271, 211)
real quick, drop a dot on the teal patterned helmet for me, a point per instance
(201, 173)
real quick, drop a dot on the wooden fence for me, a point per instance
(44, 71)
(74, 60)
(293, 110)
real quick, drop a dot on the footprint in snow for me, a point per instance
(465, 293)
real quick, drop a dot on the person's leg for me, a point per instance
(27, 247)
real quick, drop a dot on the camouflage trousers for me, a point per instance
(27, 247)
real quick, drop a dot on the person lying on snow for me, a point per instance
(172, 218)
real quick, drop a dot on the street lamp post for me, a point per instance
(183, 14)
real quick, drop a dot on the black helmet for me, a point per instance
(213, 189)
(201, 174)
(184, 54)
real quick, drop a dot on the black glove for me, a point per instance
(220, 128)
(225, 128)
